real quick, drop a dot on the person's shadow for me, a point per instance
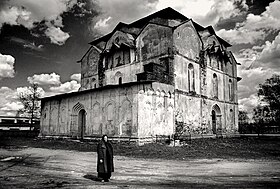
(92, 177)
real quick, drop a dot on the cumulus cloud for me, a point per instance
(248, 103)
(12, 106)
(266, 56)
(102, 23)
(7, 66)
(15, 16)
(76, 77)
(205, 12)
(258, 64)
(50, 86)
(28, 12)
(56, 35)
(111, 12)
(255, 27)
(241, 35)
(270, 54)
(45, 79)
(67, 87)
(248, 86)
(9, 104)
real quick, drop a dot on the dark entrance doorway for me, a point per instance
(82, 123)
(214, 122)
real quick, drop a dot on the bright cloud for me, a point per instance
(266, 56)
(102, 23)
(12, 106)
(15, 16)
(45, 79)
(255, 27)
(248, 86)
(120, 11)
(56, 35)
(205, 12)
(258, 64)
(9, 104)
(67, 87)
(249, 103)
(28, 12)
(6, 66)
(76, 77)
(270, 55)
(52, 85)
(241, 35)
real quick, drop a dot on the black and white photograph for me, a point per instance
(139, 94)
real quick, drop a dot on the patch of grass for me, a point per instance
(227, 148)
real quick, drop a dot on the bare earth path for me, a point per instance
(45, 168)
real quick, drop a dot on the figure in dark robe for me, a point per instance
(105, 164)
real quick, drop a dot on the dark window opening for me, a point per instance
(191, 82)
(215, 85)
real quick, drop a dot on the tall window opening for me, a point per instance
(215, 85)
(231, 114)
(230, 90)
(120, 80)
(191, 81)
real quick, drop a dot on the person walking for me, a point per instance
(105, 164)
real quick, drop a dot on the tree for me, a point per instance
(243, 117)
(30, 98)
(263, 117)
(269, 92)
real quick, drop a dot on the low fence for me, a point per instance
(19, 133)
(258, 129)
(167, 139)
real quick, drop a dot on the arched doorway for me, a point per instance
(216, 119)
(82, 123)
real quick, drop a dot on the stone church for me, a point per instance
(145, 78)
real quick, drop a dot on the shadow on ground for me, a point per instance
(92, 177)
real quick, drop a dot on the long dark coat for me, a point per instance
(105, 152)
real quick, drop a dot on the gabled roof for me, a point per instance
(108, 36)
(167, 13)
(212, 31)
(136, 27)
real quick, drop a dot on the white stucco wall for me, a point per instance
(119, 111)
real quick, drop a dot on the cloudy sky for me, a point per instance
(41, 40)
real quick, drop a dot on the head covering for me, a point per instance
(104, 137)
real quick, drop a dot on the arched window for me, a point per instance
(118, 78)
(208, 59)
(230, 95)
(191, 83)
(215, 85)
(93, 83)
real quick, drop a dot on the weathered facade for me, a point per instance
(145, 78)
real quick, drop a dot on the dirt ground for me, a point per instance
(46, 168)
